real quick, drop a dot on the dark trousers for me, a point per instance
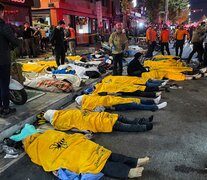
(205, 55)
(118, 166)
(151, 48)
(179, 45)
(140, 94)
(117, 64)
(148, 105)
(197, 47)
(125, 125)
(30, 47)
(4, 86)
(165, 46)
(43, 43)
(60, 56)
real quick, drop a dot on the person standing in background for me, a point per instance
(7, 39)
(71, 39)
(151, 37)
(180, 39)
(57, 39)
(119, 43)
(164, 39)
(29, 40)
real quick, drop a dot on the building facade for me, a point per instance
(17, 11)
(85, 16)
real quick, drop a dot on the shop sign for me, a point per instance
(99, 13)
(23, 2)
(18, 1)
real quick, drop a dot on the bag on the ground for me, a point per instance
(92, 74)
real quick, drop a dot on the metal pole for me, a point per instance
(166, 10)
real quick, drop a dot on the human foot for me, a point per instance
(142, 161)
(135, 172)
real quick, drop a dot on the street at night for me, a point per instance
(103, 89)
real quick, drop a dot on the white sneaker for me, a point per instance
(162, 105)
(197, 76)
(158, 93)
(203, 70)
(157, 100)
(164, 83)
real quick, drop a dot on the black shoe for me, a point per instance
(151, 118)
(1, 109)
(149, 126)
(142, 121)
(7, 112)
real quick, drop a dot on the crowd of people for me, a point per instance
(180, 35)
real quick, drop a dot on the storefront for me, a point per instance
(81, 14)
(17, 11)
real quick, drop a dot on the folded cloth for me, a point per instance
(65, 174)
(26, 131)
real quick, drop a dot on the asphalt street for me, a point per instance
(177, 145)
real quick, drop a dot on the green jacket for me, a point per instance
(118, 42)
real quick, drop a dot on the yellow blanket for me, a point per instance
(159, 75)
(84, 120)
(115, 88)
(74, 58)
(125, 80)
(54, 150)
(93, 101)
(37, 67)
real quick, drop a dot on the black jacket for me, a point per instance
(7, 40)
(57, 38)
(135, 68)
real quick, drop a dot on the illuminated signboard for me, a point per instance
(18, 1)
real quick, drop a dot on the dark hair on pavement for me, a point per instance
(61, 22)
(1, 7)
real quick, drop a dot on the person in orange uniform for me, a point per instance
(151, 37)
(72, 43)
(164, 39)
(180, 39)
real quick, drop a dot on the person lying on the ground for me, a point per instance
(134, 80)
(68, 119)
(54, 150)
(161, 69)
(101, 103)
(125, 89)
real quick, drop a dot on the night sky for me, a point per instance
(198, 4)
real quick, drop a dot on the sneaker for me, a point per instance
(149, 126)
(9, 150)
(7, 112)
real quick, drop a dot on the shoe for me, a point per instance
(149, 126)
(1, 109)
(197, 76)
(142, 121)
(7, 112)
(9, 150)
(151, 118)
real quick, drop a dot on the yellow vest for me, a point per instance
(54, 150)
(125, 80)
(115, 88)
(84, 120)
(93, 101)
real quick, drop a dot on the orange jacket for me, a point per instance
(72, 33)
(165, 36)
(151, 35)
(180, 34)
